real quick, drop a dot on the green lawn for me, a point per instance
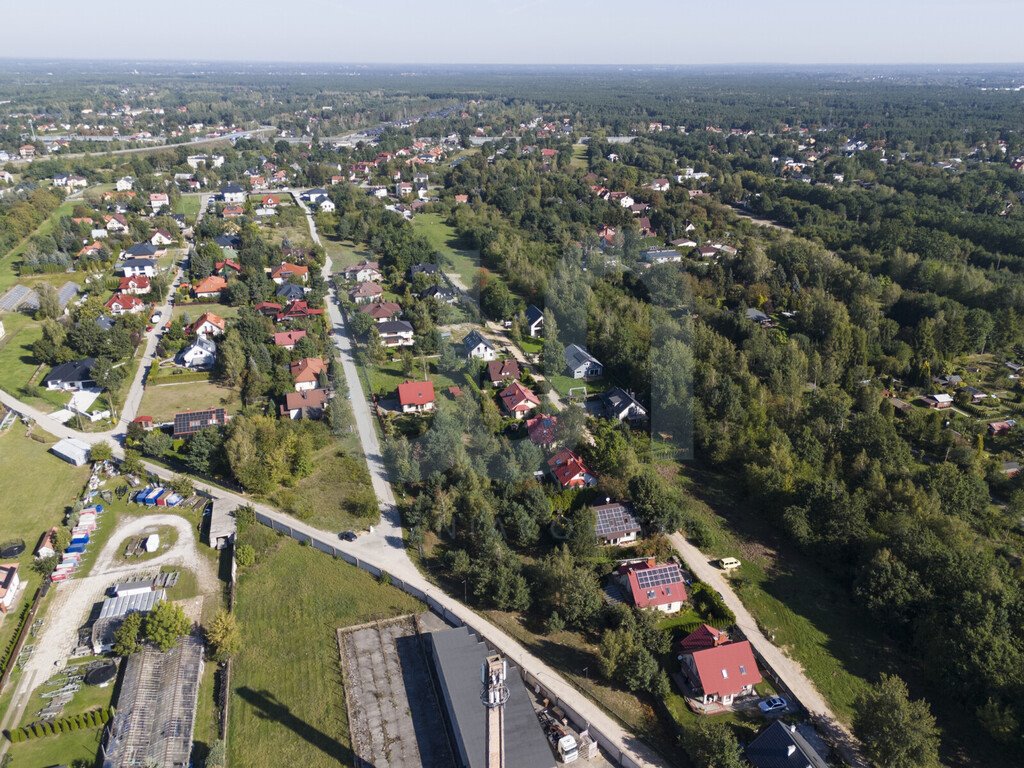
(162, 401)
(345, 253)
(188, 204)
(465, 263)
(87, 697)
(530, 346)
(288, 704)
(9, 262)
(19, 368)
(579, 157)
(65, 749)
(384, 379)
(193, 311)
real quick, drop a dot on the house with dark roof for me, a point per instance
(478, 347)
(143, 251)
(137, 267)
(620, 405)
(581, 364)
(201, 354)
(396, 333)
(534, 321)
(501, 372)
(70, 376)
(423, 269)
(615, 523)
(232, 193)
(783, 746)
(290, 292)
(189, 422)
(304, 404)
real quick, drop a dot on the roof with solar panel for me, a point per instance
(614, 520)
(654, 584)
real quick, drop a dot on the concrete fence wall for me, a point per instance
(329, 549)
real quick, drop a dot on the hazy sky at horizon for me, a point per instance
(522, 31)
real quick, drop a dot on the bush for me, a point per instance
(710, 604)
(245, 555)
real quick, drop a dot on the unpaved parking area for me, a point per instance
(393, 712)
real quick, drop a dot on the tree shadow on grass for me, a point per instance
(269, 708)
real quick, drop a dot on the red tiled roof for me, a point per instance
(208, 317)
(285, 270)
(125, 301)
(309, 398)
(669, 584)
(568, 468)
(541, 429)
(211, 284)
(416, 393)
(288, 338)
(381, 310)
(307, 369)
(133, 283)
(726, 669)
(704, 636)
(516, 398)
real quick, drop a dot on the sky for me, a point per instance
(520, 31)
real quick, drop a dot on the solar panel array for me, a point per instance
(615, 520)
(649, 578)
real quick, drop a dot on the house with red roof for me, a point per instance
(268, 309)
(146, 422)
(416, 396)
(232, 211)
(704, 636)
(517, 400)
(653, 585)
(569, 470)
(270, 201)
(208, 325)
(364, 293)
(298, 310)
(286, 272)
(381, 311)
(226, 267)
(210, 287)
(306, 372)
(288, 339)
(116, 223)
(137, 285)
(541, 430)
(95, 248)
(161, 237)
(124, 304)
(722, 672)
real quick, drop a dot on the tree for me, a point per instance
(131, 464)
(49, 303)
(224, 635)
(165, 624)
(217, 757)
(896, 732)
(182, 485)
(126, 638)
(204, 450)
(497, 301)
(156, 443)
(101, 451)
(106, 374)
(651, 502)
(713, 745)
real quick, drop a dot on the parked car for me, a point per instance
(156, 317)
(348, 535)
(772, 704)
(728, 563)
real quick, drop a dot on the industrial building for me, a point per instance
(156, 708)
(113, 610)
(478, 732)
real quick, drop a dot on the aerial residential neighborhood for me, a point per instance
(654, 408)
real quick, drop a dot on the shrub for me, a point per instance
(245, 555)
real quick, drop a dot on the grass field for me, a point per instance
(162, 401)
(337, 496)
(442, 237)
(193, 311)
(27, 509)
(188, 204)
(579, 157)
(65, 749)
(345, 253)
(19, 368)
(384, 379)
(288, 705)
(9, 262)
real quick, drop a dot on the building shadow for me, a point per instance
(269, 708)
(424, 709)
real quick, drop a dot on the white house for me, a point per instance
(138, 267)
(10, 584)
(326, 206)
(201, 353)
(477, 347)
(581, 364)
(626, 201)
(396, 333)
(125, 184)
(534, 321)
(232, 193)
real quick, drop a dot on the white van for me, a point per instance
(729, 563)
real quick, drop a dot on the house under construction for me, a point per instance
(156, 708)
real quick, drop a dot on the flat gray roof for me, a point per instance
(458, 655)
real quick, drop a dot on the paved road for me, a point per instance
(261, 131)
(788, 670)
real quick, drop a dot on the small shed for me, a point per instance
(72, 450)
(222, 523)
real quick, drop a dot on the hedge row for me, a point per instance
(9, 650)
(85, 721)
